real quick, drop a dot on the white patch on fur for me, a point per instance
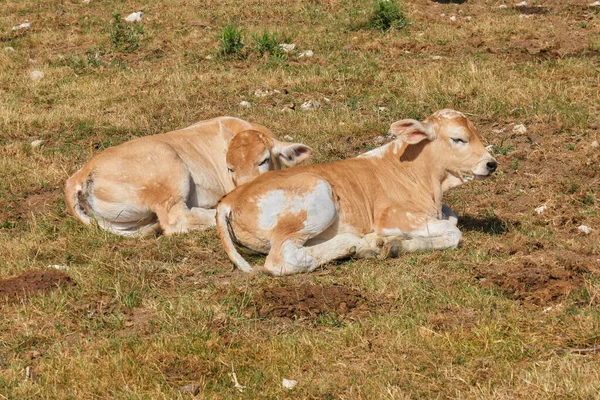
(380, 151)
(270, 206)
(320, 208)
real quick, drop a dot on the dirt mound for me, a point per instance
(538, 279)
(32, 282)
(309, 301)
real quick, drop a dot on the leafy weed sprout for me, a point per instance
(268, 43)
(231, 41)
(386, 15)
(123, 36)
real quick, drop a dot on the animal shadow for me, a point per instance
(490, 225)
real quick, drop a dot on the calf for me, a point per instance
(171, 182)
(382, 202)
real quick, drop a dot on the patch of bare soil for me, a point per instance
(540, 278)
(33, 282)
(309, 301)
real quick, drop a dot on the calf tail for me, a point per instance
(77, 190)
(225, 232)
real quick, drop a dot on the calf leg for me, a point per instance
(180, 219)
(292, 257)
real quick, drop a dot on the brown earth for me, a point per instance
(309, 301)
(33, 282)
(539, 278)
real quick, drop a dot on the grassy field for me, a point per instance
(497, 318)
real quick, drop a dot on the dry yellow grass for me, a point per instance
(146, 317)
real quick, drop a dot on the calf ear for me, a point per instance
(291, 154)
(412, 131)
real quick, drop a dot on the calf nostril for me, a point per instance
(492, 165)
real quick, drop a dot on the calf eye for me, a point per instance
(458, 140)
(263, 162)
(229, 169)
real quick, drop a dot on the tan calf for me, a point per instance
(382, 202)
(171, 182)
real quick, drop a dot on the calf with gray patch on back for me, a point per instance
(377, 204)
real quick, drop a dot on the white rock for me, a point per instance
(306, 53)
(9, 49)
(541, 209)
(595, 144)
(24, 25)
(453, 18)
(443, 15)
(59, 267)
(468, 18)
(245, 104)
(437, 57)
(595, 4)
(326, 99)
(287, 47)
(288, 137)
(520, 129)
(208, 57)
(36, 75)
(134, 17)
(289, 383)
(36, 144)
(262, 93)
(85, 1)
(521, 4)
(502, 6)
(585, 229)
(382, 109)
(498, 130)
(310, 105)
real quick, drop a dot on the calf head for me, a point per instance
(454, 146)
(251, 153)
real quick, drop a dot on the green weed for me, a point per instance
(124, 37)
(387, 14)
(230, 41)
(268, 43)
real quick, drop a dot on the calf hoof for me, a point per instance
(366, 254)
(394, 248)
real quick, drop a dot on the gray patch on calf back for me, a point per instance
(83, 194)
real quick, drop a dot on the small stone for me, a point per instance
(290, 106)
(453, 18)
(24, 25)
(192, 389)
(502, 6)
(595, 4)
(519, 129)
(306, 53)
(521, 4)
(288, 138)
(289, 383)
(208, 57)
(59, 267)
(310, 105)
(437, 57)
(36, 75)
(85, 1)
(134, 17)
(585, 229)
(541, 209)
(287, 47)
(382, 109)
(36, 144)
(245, 104)
(468, 18)
(498, 130)
(595, 144)
(443, 15)
(9, 49)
